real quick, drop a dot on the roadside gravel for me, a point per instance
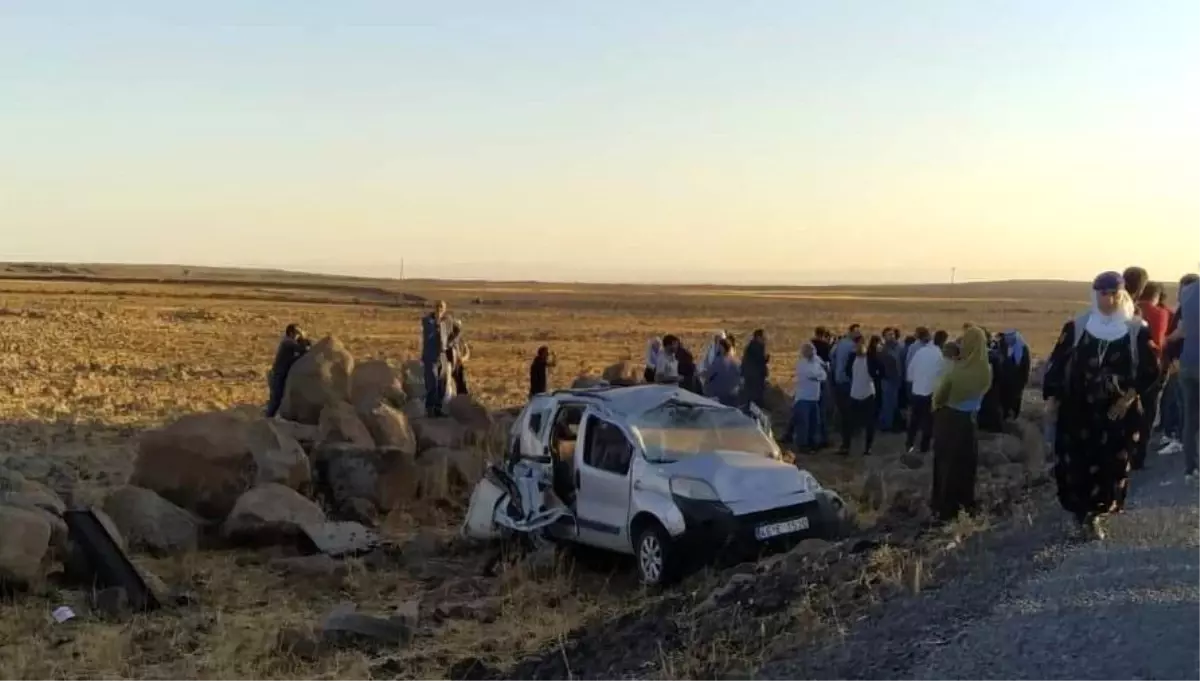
(1030, 601)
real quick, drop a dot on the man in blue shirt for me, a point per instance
(1189, 374)
(436, 336)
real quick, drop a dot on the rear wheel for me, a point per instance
(655, 553)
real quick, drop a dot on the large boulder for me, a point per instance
(25, 548)
(303, 433)
(412, 379)
(150, 523)
(278, 457)
(468, 411)
(270, 513)
(202, 462)
(17, 490)
(321, 376)
(389, 427)
(339, 423)
(438, 432)
(384, 477)
(464, 467)
(623, 373)
(373, 382)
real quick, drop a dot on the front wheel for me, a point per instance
(655, 552)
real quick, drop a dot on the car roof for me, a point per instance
(630, 401)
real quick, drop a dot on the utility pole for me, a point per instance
(401, 269)
(953, 271)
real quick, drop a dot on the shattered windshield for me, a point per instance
(675, 430)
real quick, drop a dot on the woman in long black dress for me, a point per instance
(1101, 362)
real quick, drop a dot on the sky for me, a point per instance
(791, 141)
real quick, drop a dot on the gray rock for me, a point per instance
(151, 523)
(344, 626)
(25, 537)
(338, 539)
(270, 514)
(17, 490)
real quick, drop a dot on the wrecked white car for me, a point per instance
(654, 471)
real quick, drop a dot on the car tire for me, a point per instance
(655, 554)
(836, 518)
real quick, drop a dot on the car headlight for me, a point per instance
(809, 482)
(691, 488)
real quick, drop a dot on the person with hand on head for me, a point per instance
(539, 371)
(291, 347)
(863, 369)
(1102, 361)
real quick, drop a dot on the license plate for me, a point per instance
(780, 529)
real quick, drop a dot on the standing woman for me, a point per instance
(1016, 372)
(956, 401)
(1102, 361)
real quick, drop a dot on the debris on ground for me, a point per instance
(337, 539)
(345, 626)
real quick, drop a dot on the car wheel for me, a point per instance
(655, 554)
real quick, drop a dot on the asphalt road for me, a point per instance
(1035, 603)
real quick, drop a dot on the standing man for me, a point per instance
(1157, 319)
(923, 372)
(754, 368)
(1188, 331)
(891, 384)
(457, 355)
(435, 341)
(539, 371)
(292, 346)
(842, 352)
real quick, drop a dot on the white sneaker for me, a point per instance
(1172, 447)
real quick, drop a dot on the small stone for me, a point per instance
(300, 643)
(343, 626)
(319, 565)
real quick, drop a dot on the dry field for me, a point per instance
(89, 358)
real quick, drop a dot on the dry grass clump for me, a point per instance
(86, 366)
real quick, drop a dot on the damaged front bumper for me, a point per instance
(715, 534)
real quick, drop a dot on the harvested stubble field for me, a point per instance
(90, 357)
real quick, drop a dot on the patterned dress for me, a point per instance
(1093, 451)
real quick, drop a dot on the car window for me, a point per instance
(535, 422)
(675, 430)
(607, 447)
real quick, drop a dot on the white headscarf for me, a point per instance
(710, 352)
(1111, 327)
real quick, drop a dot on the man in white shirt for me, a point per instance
(923, 373)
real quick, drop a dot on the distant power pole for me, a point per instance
(953, 271)
(401, 269)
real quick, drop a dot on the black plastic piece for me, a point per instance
(106, 561)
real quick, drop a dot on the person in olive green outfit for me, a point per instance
(956, 401)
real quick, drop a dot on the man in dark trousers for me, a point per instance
(754, 368)
(435, 340)
(539, 371)
(292, 346)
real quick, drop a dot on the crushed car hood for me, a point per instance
(738, 477)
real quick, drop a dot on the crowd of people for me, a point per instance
(1126, 368)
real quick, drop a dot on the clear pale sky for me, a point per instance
(788, 141)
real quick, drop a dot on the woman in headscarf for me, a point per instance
(1102, 361)
(956, 401)
(1015, 372)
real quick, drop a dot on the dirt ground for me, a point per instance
(90, 357)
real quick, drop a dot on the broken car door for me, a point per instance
(603, 485)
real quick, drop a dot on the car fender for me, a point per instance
(651, 494)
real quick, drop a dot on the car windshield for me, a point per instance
(675, 430)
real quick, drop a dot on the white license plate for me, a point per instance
(780, 529)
